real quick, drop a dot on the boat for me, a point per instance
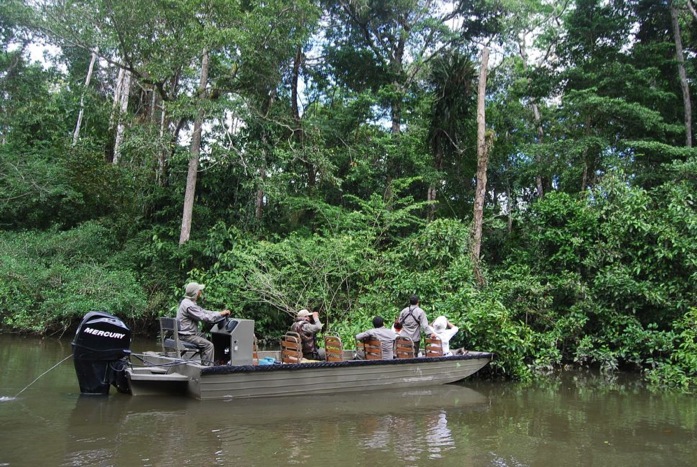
(102, 357)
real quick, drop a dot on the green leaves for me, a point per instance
(50, 280)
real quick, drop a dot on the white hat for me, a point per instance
(303, 313)
(440, 324)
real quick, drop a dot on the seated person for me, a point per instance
(308, 325)
(397, 327)
(445, 330)
(384, 335)
(190, 314)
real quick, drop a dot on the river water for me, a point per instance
(576, 419)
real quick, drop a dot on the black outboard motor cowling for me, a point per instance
(100, 351)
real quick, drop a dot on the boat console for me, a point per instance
(233, 339)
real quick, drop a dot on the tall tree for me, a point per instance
(484, 142)
(684, 85)
(88, 78)
(381, 50)
(534, 24)
(195, 153)
(452, 80)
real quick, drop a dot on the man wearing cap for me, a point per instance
(384, 335)
(190, 314)
(308, 325)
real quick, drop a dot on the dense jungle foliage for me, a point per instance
(327, 153)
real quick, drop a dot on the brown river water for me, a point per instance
(573, 419)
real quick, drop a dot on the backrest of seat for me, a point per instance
(372, 348)
(434, 346)
(171, 343)
(169, 330)
(333, 348)
(291, 348)
(403, 347)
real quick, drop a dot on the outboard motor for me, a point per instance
(100, 351)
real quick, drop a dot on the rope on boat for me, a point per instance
(42, 374)
(164, 365)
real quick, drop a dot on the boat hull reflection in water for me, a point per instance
(415, 423)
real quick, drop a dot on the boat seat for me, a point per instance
(291, 348)
(372, 350)
(403, 347)
(333, 348)
(434, 346)
(171, 344)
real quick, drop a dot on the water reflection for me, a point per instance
(409, 425)
(402, 434)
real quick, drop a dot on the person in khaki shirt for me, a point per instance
(414, 322)
(190, 314)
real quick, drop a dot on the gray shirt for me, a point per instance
(385, 336)
(414, 320)
(189, 314)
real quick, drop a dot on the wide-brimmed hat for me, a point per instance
(192, 289)
(303, 313)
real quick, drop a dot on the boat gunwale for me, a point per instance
(230, 369)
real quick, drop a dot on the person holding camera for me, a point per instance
(308, 325)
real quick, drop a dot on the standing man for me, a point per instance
(190, 314)
(308, 325)
(384, 335)
(414, 320)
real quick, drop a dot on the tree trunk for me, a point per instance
(687, 105)
(76, 134)
(540, 136)
(511, 204)
(294, 93)
(691, 7)
(586, 164)
(432, 193)
(259, 201)
(195, 153)
(397, 67)
(124, 89)
(162, 153)
(483, 146)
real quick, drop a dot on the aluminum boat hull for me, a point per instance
(165, 375)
